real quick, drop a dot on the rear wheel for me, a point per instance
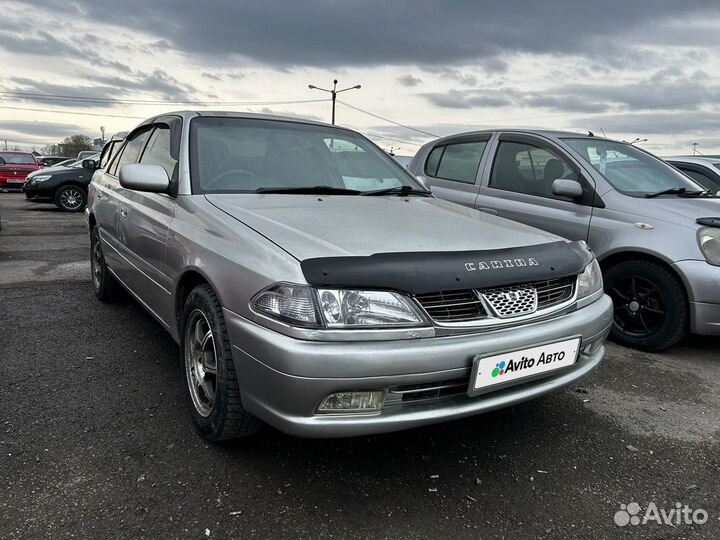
(71, 198)
(211, 384)
(106, 287)
(651, 310)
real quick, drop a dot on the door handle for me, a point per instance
(490, 211)
(124, 212)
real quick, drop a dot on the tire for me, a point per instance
(651, 306)
(71, 198)
(106, 287)
(205, 348)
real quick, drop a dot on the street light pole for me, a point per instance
(334, 92)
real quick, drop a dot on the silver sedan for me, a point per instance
(315, 285)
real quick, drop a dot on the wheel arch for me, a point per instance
(612, 259)
(189, 279)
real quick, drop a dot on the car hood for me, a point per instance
(674, 209)
(54, 170)
(309, 226)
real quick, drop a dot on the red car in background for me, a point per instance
(16, 167)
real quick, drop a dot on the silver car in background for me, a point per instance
(704, 170)
(654, 230)
(314, 284)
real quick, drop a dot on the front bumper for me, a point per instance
(702, 281)
(283, 379)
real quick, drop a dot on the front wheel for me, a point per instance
(651, 308)
(211, 384)
(70, 198)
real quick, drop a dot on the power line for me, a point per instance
(32, 109)
(89, 99)
(387, 119)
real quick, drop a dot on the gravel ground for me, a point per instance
(96, 442)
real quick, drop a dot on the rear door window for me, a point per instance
(458, 162)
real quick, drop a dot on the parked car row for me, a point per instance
(66, 184)
(316, 284)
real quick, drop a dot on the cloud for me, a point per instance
(409, 80)
(459, 99)
(419, 32)
(48, 130)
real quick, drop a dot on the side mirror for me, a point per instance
(89, 164)
(567, 188)
(141, 177)
(2, 161)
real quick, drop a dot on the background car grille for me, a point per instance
(465, 305)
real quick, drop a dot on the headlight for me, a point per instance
(294, 304)
(301, 305)
(41, 177)
(343, 308)
(590, 281)
(709, 242)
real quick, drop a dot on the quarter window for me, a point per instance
(458, 162)
(525, 168)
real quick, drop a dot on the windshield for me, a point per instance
(629, 169)
(241, 155)
(17, 159)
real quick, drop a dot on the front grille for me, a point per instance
(453, 306)
(503, 302)
(512, 301)
(554, 291)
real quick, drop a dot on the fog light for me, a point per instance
(353, 402)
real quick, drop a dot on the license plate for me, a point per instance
(489, 371)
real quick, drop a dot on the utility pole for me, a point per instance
(334, 92)
(694, 146)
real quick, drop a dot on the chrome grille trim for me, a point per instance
(471, 307)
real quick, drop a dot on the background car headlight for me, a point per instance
(294, 304)
(590, 281)
(41, 177)
(709, 242)
(355, 308)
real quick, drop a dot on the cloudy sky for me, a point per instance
(628, 68)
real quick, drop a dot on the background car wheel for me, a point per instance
(211, 384)
(651, 309)
(106, 287)
(71, 198)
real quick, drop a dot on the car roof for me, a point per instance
(700, 160)
(548, 133)
(187, 115)
(16, 152)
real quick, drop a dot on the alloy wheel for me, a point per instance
(639, 306)
(201, 362)
(71, 199)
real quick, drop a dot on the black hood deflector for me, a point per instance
(425, 272)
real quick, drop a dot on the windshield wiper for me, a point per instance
(312, 190)
(402, 191)
(704, 193)
(670, 191)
